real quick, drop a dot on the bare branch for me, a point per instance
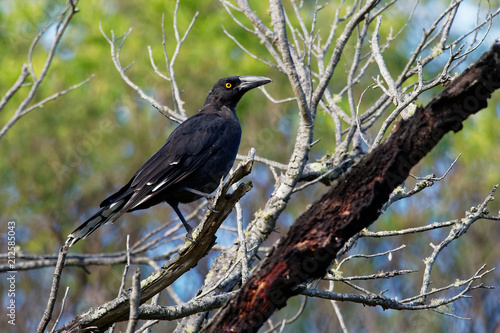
(63, 303)
(339, 316)
(22, 78)
(135, 294)
(62, 23)
(195, 305)
(371, 299)
(56, 95)
(369, 255)
(291, 320)
(339, 47)
(115, 56)
(266, 62)
(121, 290)
(424, 42)
(425, 182)
(47, 315)
(393, 90)
(458, 230)
(243, 244)
(175, 89)
(375, 276)
(278, 18)
(155, 68)
(435, 225)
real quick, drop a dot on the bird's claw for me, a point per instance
(189, 236)
(211, 207)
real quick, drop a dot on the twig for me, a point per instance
(369, 255)
(135, 295)
(62, 309)
(339, 47)
(292, 319)
(278, 19)
(155, 68)
(243, 245)
(393, 90)
(216, 285)
(323, 176)
(408, 71)
(56, 95)
(350, 74)
(265, 161)
(244, 49)
(170, 67)
(147, 326)
(358, 124)
(435, 225)
(28, 261)
(115, 56)
(47, 315)
(147, 311)
(456, 284)
(458, 230)
(264, 34)
(17, 85)
(63, 21)
(371, 299)
(375, 276)
(126, 268)
(425, 182)
(276, 101)
(122, 291)
(343, 326)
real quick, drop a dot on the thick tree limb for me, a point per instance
(312, 242)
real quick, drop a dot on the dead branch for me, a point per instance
(187, 257)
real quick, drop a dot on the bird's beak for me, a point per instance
(250, 82)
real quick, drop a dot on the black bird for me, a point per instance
(191, 163)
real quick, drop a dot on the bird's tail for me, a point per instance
(107, 213)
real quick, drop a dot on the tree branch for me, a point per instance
(53, 290)
(62, 20)
(187, 257)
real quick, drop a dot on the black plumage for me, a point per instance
(191, 163)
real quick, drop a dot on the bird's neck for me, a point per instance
(214, 107)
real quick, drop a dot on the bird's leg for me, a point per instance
(189, 228)
(207, 196)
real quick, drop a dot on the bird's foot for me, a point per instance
(189, 237)
(189, 230)
(211, 206)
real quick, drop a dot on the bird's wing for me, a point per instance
(188, 147)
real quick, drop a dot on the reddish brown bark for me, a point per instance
(311, 244)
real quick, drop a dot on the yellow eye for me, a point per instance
(228, 85)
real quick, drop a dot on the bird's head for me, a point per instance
(228, 91)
